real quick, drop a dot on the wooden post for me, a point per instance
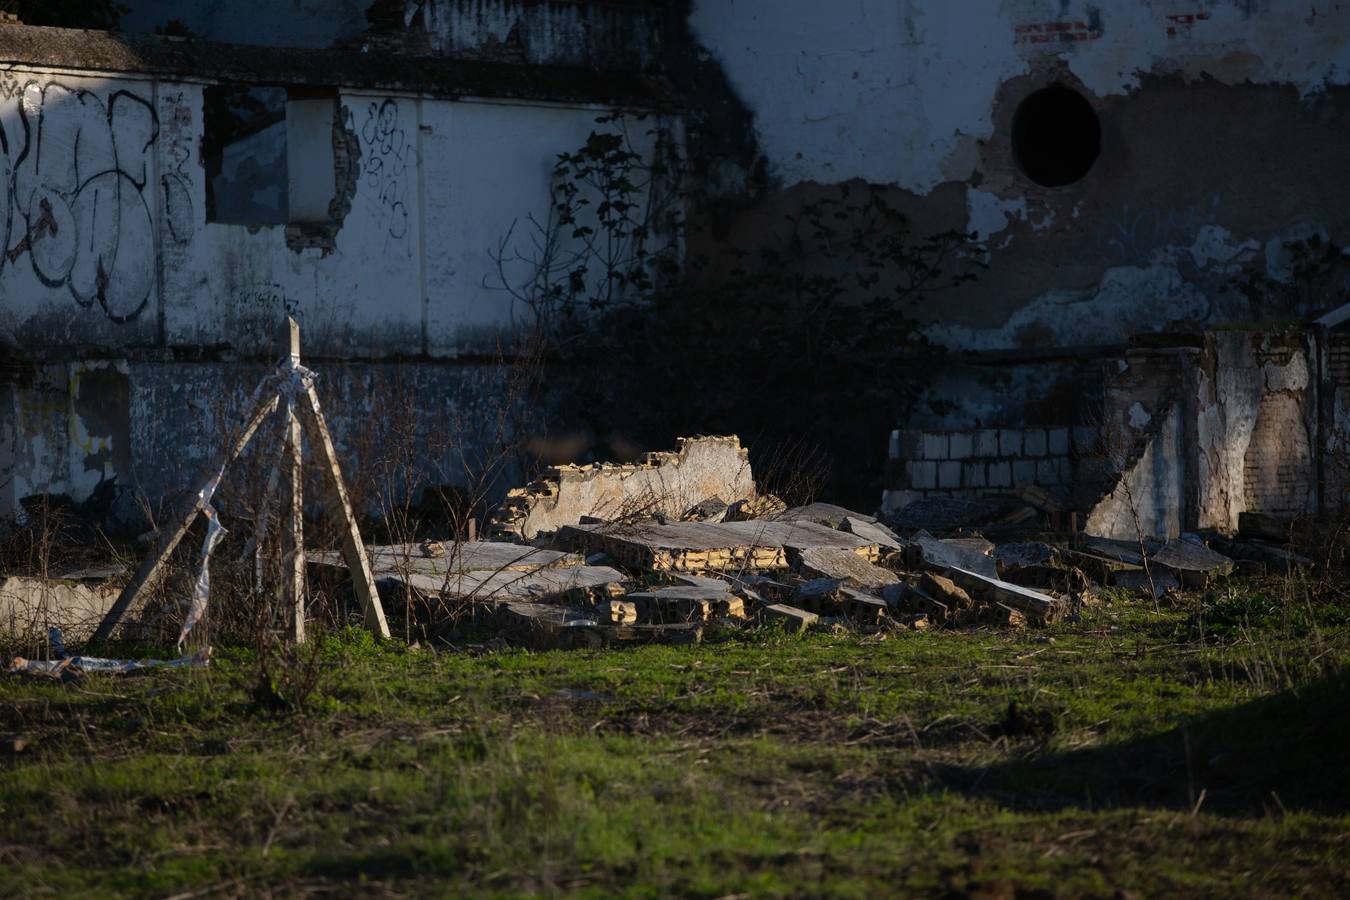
(338, 503)
(169, 537)
(296, 520)
(296, 523)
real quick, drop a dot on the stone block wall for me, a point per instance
(983, 461)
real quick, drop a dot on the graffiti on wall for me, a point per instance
(74, 172)
(385, 149)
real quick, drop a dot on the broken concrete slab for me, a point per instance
(789, 616)
(29, 606)
(1137, 580)
(1193, 562)
(574, 582)
(758, 507)
(822, 514)
(954, 553)
(835, 562)
(668, 484)
(453, 556)
(714, 510)
(942, 588)
(699, 546)
(1024, 555)
(871, 530)
(1037, 606)
(834, 597)
(1118, 550)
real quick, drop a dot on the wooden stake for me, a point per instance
(169, 538)
(340, 509)
(296, 522)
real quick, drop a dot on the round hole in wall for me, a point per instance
(1056, 136)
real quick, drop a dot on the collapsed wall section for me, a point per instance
(665, 484)
(1230, 428)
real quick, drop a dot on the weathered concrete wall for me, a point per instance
(128, 431)
(109, 246)
(127, 312)
(1229, 427)
(1208, 119)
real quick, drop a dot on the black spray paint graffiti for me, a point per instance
(73, 195)
(386, 153)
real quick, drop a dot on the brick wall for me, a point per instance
(984, 461)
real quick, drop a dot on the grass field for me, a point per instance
(1203, 750)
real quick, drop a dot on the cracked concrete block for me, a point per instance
(986, 443)
(1047, 472)
(922, 475)
(1024, 471)
(1033, 442)
(961, 445)
(1010, 442)
(934, 445)
(974, 475)
(1057, 441)
(1000, 474)
(949, 474)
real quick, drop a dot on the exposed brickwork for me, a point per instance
(986, 461)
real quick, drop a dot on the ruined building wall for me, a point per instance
(1230, 429)
(604, 34)
(1221, 138)
(128, 309)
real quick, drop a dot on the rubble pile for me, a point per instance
(742, 558)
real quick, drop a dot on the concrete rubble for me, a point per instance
(665, 484)
(679, 567)
(734, 558)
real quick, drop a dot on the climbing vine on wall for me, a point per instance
(808, 330)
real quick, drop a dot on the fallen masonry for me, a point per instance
(735, 558)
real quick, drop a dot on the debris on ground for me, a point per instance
(669, 485)
(597, 572)
(61, 665)
(599, 556)
(77, 600)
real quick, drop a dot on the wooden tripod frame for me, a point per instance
(289, 383)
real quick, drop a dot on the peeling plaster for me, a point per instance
(1129, 299)
(1215, 246)
(988, 214)
(905, 87)
(1228, 397)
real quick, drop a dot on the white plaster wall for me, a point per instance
(901, 92)
(361, 297)
(488, 169)
(79, 208)
(103, 214)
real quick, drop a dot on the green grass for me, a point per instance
(1200, 750)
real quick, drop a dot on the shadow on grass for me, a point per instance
(1285, 753)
